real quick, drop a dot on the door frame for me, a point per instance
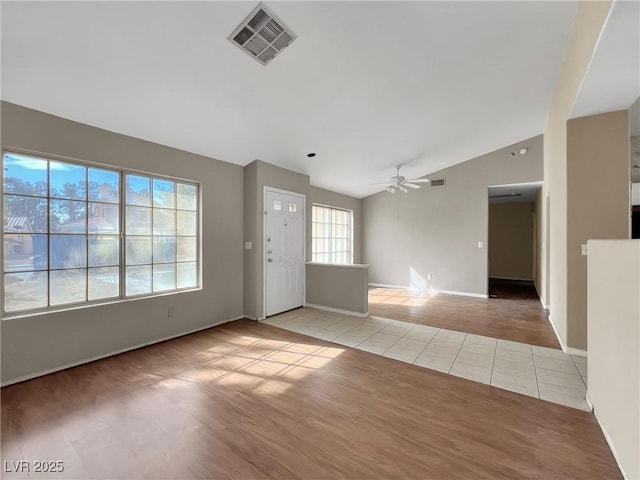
(266, 189)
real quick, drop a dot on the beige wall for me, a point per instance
(38, 343)
(511, 241)
(588, 24)
(614, 346)
(597, 202)
(342, 287)
(257, 175)
(436, 230)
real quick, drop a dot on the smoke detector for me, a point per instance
(262, 35)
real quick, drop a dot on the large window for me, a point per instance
(64, 240)
(332, 235)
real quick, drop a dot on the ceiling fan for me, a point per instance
(398, 182)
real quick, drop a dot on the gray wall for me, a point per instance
(597, 202)
(38, 343)
(435, 230)
(511, 241)
(257, 175)
(338, 286)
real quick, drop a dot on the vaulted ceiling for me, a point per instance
(366, 85)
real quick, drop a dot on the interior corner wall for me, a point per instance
(435, 230)
(258, 175)
(598, 206)
(38, 343)
(511, 241)
(587, 26)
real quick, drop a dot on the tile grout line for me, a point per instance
(457, 354)
(535, 372)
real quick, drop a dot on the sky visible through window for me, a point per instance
(61, 233)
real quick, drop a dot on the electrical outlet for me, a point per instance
(480, 244)
(429, 276)
(171, 312)
(583, 249)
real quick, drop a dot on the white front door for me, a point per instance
(283, 251)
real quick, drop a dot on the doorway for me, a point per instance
(284, 269)
(513, 250)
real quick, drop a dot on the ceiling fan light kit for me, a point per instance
(398, 182)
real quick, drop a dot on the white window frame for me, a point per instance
(122, 296)
(329, 236)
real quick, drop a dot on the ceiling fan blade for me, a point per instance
(419, 180)
(411, 185)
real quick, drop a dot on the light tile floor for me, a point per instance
(539, 372)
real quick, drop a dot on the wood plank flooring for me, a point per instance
(251, 401)
(516, 313)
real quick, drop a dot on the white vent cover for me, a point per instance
(439, 182)
(262, 35)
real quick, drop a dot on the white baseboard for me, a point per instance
(249, 317)
(115, 352)
(608, 439)
(546, 307)
(578, 352)
(430, 290)
(337, 310)
(568, 350)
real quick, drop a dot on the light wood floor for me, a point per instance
(515, 313)
(251, 401)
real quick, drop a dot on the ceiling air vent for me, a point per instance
(439, 182)
(262, 35)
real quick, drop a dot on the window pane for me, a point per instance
(68, 251)
(67, 181)
(164, 277)
(164, 221)
(68, 286)
(25, 252)
(164, 249)
(138, 280)
(138, 250)
(187, 249)
(104, 282)
(187, 275)
(187, 198)
(104, 218)
(25, 175)
(138, 190)
(104, 185)
(25, 214)
(138, 221)
(68, 216)
(187, 222)
(23, 291)
(104, 250)
(163, 194)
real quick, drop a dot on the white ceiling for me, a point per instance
(366, 85)
(613, 80)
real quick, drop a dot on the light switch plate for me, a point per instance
(583, 249)
(480, 244)
(248, 245)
